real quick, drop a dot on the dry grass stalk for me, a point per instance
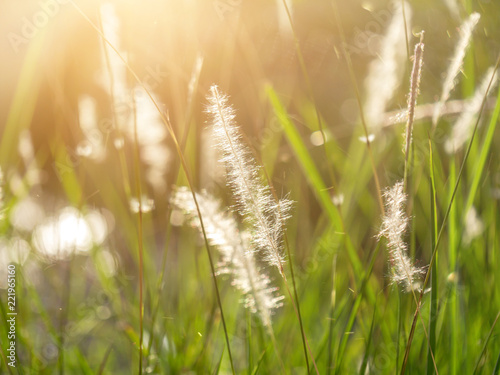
(414, 91)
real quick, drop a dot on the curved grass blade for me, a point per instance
(354, 311)
(261, 358)
(364, 364)
(478, 363)
(483, 156)
(445, 219)
(434, 282)
(310, 171)
(105, 360)
(168, 125)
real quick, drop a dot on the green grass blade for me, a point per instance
(434, 272)
(104, 360)
(478, 363)
(400, 327)
(24, 100)
(441, 230)
(249, 341)
(354, 311)
(364, 364)
(496, 371)
(83, 362)
(483, 156)
(65, 168)
(261, 358)
(452, 260)
(217, 369)
(310, 171)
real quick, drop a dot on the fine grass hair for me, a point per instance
(136, 250)
(255, 201)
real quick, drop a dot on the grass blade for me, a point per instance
(24, 100)
(441, 230)
(496, 371)
(354, 311)
(483, 157)
(434, 275)
(105, 360)
(310, 171)
(168, 125)
(261, 358)
(453, 269)
(217, 368)
(478, 363)
(364, 364)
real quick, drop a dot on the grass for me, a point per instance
(109, 288)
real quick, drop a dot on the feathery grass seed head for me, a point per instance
(464, 125)
(456, 63)
(235, 247)
(385, 71)
(394, 225)
(254, 199)
(416, 72)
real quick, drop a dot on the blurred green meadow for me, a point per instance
(103, 117)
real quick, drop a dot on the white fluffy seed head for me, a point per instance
(255, 202)
(385, 71)
(474, 226)
(464, 125)
(236, 250)
(394, 225)
(456, 63)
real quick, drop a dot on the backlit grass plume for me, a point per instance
(464, 126)
(394, 225)
(254, 199)
(385, 71)
(456, 63)
(237, 257)
(416, 73)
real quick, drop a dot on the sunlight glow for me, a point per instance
(69, 233)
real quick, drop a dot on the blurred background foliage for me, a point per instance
(69, 192)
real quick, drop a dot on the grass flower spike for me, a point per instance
(394, 225)
(456, 63)
(255, 201)
(463, 127)
(237, 259)
(385, 71)
(414, 91)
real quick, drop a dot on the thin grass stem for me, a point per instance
(486, 341)
(139, 239)
(433, 311)
(180, 153)
(445, 219)
(309, 87)
(360, 105)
